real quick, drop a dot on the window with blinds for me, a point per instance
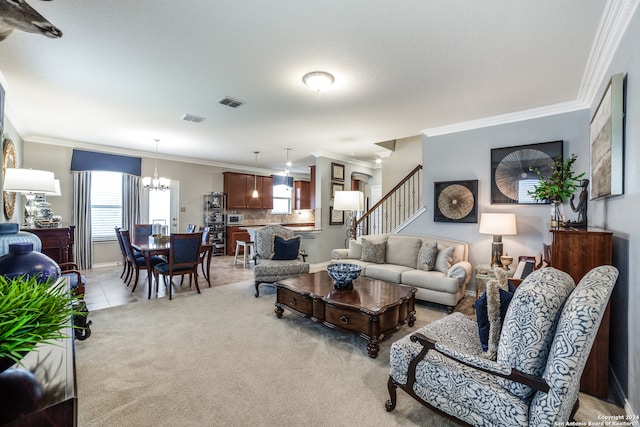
(106, 204)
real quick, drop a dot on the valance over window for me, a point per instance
(92, 161)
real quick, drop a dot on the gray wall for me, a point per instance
(620, 215)
(470, 160)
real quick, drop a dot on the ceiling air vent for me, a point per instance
(230, 102)
(192, 118)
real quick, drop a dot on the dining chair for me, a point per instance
(125, 265)
(184, 257)
(205, 255)
(142, 230)
(137, 263)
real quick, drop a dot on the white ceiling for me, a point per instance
(124, 72)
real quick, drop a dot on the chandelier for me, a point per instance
(156, 183)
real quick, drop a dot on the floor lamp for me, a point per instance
(29, 182)
(351, 202)
(497, 224)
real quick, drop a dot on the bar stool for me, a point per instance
(247, 248)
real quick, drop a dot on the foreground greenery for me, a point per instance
(32, 314)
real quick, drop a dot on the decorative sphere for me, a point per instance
(343, 274)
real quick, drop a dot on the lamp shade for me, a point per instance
(29, 181)
(498, 224)
(348, 201)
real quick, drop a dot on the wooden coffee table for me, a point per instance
(372, 309)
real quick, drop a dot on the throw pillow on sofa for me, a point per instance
(427, 256)
(491, 309)
(444, 259)
(402, 250)
(285, 249)
(355, 249)
(373, 251)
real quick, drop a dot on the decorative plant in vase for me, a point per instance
(31, 313)
(557, 188)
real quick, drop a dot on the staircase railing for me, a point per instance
(395, 207)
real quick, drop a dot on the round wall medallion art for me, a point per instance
(455, 201)
(8, 161)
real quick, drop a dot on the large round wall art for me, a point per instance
(8, 161)
(456, 201)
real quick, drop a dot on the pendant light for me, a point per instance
(255, 177)
(156, 183)
(289, 164)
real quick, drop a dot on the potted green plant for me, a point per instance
(558, 187)
(30, 314)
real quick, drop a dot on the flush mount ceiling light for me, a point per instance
(318, 81)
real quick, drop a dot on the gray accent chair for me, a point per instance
(546, 338)
(267, 270)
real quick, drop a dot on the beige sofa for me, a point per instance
(402, 261)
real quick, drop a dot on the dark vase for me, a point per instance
(20, 394)
(22, 260)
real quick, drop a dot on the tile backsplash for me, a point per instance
(264, 216)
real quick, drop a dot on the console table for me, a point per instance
(53, 366)
(57, 243)
(576, 252)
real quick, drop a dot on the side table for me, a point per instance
(484, 273)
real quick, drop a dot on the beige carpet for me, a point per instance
(222, 358)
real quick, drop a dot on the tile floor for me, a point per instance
(105, 288)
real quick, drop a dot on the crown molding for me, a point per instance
(612, 27)
(518, 116)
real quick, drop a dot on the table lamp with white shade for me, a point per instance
(352, 202)
(29, 182)
(497, 224)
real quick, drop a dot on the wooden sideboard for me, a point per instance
(577, 252)
(57, 243)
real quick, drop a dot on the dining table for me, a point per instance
(149, 246)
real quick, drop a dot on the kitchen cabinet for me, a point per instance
(576, 252)
(238, 188)
(301, 195)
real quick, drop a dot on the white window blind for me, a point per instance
(106, 204)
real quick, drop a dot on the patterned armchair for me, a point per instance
(546, 338)
(269, 270)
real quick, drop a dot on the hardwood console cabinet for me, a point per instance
(577, 252)
(57, 243)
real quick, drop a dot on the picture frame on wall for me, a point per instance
(1, 110)
(336, 186)
(335, 217)
(606, 135)
(456, 201)
(337, 172)
(512, 176)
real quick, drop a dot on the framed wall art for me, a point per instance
(335, 217)
(456, 201)
(511, 174)
(337, 172)
(1, 110)
(9, 160)
(336, 186)
(606, 135)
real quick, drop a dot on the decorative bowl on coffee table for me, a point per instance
(343, 275)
